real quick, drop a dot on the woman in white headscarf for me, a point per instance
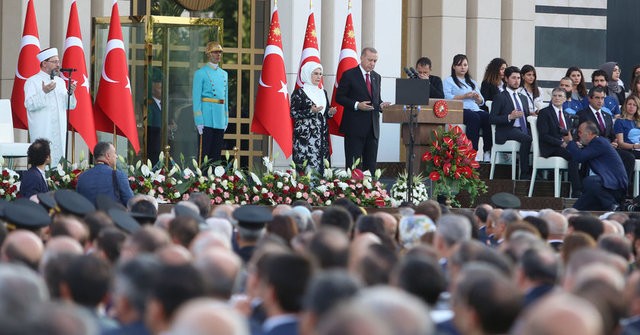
(310, 111)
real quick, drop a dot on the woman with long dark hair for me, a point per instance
(493, 80)
(460, 86)
(529, 87)
(579, 89)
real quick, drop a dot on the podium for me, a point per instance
(426, 123)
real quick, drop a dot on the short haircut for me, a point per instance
(175, 285)
(337, 216)
(423, 61)
(38, 152)
(376, 265)
(540, 224)
(482, 213)
(587, 223)
(289, 275)
(135, 278)
(558, 89)
(454, 228)
(183, 229)
(615, 244)
(100, 150)
(422, 277)
(368, 49)
(328, 289)
(540, 264)
(511, 70)
(110, 242)
(88, 278)
(591, 127)
(430, 208)
(203, 202)
(330, 248)
(599, 73)
(596, 89)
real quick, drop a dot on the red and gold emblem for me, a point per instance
(440, 108)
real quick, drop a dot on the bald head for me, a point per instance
(390, 224)
(557, 223)
(174, 254)
(560, 314)
(22, 246)
(209, 317)
(220, 268)
(63, 244)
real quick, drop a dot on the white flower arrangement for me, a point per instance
(398, 191)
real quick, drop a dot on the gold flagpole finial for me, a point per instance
(275, 3)
(310, 4)
(349, 4)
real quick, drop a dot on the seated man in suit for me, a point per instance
(34, 180)
(604, 122)
(606, 184)
(423, 67)
(599, 78)
(552, 126)
(509, 113)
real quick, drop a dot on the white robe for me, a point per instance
(47, 112)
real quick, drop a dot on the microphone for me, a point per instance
(68, 70)
(408, 72)
(415, 73)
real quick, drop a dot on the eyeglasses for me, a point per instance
(53, 61)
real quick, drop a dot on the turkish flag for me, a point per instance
(114, 90)
(348, 60)
(28, 65)
(310, 52)
(80, 118)
(272, 116)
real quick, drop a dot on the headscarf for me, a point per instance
(412, 228)
(315, 93)
(613, 85)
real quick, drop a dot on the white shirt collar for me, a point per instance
(278, 320)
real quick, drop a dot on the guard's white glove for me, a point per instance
(200, 129)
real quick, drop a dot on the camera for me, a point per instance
(632, 205)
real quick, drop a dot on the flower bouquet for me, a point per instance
(398, 192)
(9, 184)
(451, 165)
(353, 184)
(65, 175)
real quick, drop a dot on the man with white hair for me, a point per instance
(45, 98)
(450, 230)
(558, 226)
(209, 316)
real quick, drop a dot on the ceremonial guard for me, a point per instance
(210, 104)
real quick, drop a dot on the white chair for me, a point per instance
(636, 171)
(555, 163)
(511, 146)
(8, 148)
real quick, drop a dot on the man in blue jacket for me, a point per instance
(103, 178)
(606, 182)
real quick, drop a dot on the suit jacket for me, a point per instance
(99, 180)
(436, 91)
(501, 108)
(549, 130)
(351, 89)
(288, 328)
(587, 115)
(32, 183)
(603, 160)
(536, 293)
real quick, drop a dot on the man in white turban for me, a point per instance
(45, 98)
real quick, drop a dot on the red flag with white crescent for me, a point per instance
(28, 65)
(348, 60)
(114, 91)
(310, 52)
(272, 116)
(81, 118)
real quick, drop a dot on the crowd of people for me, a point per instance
(253, 270)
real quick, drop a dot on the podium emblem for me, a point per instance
(440, 108)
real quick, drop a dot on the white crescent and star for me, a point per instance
(272, 49)
(111, 45)
(27, 40)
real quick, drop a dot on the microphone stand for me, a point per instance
(412, 141)
(69, 94)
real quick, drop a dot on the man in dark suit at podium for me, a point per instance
(606, 183)
(423, 67)
(359, 93)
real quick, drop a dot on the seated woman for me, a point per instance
(493, 80)
(629, 120)
(615, 85)
(529, 87)
(579, 88)
(310, 111)
(635, 87)
(460, 86)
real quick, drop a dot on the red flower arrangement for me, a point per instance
(451, 164)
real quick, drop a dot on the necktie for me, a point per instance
(601, 122)
(561, 120)
(523, 121)
(368, 84)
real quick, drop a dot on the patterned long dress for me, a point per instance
(310, 132)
